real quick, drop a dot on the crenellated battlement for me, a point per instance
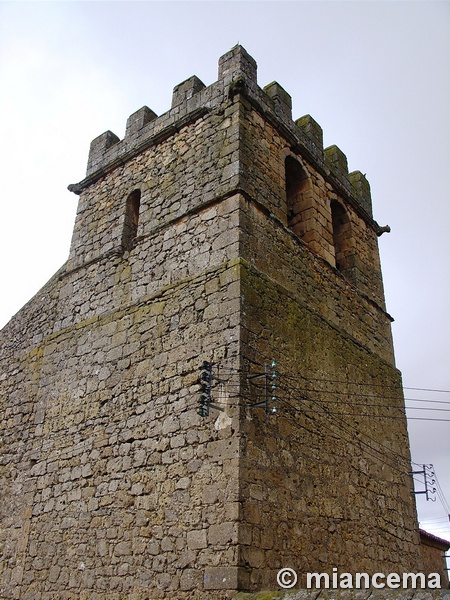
(138, 120)
(229, 137)
(237, 75)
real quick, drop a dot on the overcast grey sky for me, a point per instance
(375, 75)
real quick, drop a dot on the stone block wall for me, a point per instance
(183, 250)
(113, 485)
(325, 480)
(264, 153)
(116, 485)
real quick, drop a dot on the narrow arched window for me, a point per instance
(342, 237)
(297, 200)
(131, 219)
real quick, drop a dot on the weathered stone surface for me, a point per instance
(112, 484)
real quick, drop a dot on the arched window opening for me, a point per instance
(131, 219)
(342, 236)
(297, 200)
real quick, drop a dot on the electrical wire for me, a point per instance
(345, 428)
(246, 372)
(362, 384)
(368, 446)
(441, 496)
(383, 406)
(352, 433)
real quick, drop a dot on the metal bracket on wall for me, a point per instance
(205, 400)
(270, 387)
(429, 479)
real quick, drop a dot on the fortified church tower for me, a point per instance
(206, 391)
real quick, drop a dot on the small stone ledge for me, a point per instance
(222, 578)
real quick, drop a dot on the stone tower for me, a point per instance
(218, 235)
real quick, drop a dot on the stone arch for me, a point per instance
(131, 221)
(343, 239)
(298, 195)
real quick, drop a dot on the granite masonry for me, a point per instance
(221, 232)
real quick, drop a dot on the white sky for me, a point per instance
(374, 75)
